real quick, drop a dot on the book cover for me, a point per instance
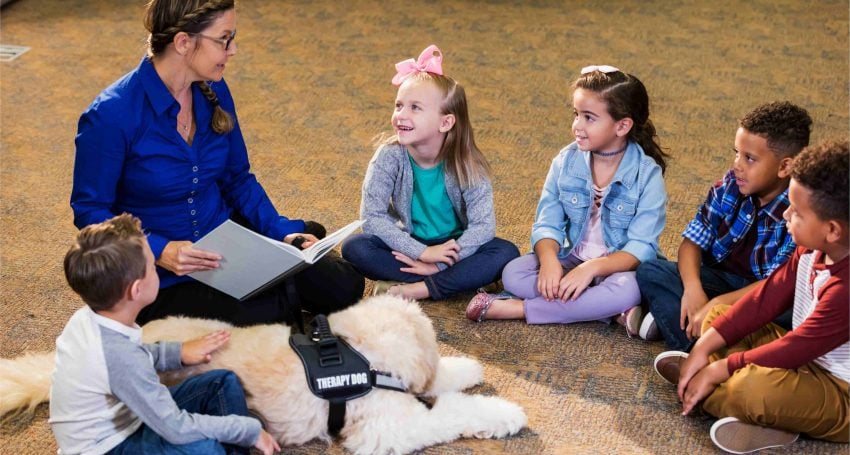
(252, 262)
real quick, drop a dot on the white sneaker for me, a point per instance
(734, 436)
(382, 287)
(648, 328)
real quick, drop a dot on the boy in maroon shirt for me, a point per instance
(766, 384)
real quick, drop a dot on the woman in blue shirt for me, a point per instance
(164, 144)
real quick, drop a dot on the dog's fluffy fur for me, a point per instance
(392, 333)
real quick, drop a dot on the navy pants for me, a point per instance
(374, 259)
(216, 392)
(661, 291)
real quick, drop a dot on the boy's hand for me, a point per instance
(692, 301)
(576, 281)
(266, 443)
(690, 368)
(694, 329)
(415, 267)
(447, 253)
(549, 278)
(200, 349)
(703, 384)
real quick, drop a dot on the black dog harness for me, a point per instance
(336, 372)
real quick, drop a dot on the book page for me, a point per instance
(250, 260)
(320, 248)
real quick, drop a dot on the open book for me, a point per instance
(253, 263)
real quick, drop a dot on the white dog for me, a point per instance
(393, 334)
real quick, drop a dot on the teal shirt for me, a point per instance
(431, 213)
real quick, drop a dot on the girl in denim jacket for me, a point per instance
(600, 214)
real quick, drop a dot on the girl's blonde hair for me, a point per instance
(459, 152)
(166, 18)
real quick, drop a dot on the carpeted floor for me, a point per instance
(312, 84)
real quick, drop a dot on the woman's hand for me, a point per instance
(576, 281)
(703, 384)
(181, 258)
(309, 239)
(415, 267)
(447, 253)
(199, 350)
(549, 278)
(266, 444)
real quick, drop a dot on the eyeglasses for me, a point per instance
(225, 42)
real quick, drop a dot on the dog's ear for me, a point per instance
(394, 335)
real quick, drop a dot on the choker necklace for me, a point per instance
(607, 154)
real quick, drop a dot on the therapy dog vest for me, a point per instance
(337, 372)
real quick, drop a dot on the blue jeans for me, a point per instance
(661, 290)
(216, 392)
(374, 259)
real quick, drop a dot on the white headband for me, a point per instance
(603, 68)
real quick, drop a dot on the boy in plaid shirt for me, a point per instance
(738, 235)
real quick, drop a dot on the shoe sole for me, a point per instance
(734, 436)
(648, 329)
(665, 355)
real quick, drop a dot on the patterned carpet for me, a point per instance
(311, 82)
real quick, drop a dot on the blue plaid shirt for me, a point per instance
(725, 218)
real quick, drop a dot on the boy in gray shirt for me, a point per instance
(105, 394)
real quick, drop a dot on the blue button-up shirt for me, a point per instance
(725, 218)
(633, 210)
(131, 158)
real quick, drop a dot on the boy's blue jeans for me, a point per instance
(374, 259)
(216, 392)
(661, 290)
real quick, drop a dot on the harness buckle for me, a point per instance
(329, 352)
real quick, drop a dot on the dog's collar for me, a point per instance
(387, 381)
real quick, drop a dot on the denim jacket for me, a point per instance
(633, 210)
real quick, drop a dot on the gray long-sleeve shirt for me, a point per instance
(387, 198)
(105, 387)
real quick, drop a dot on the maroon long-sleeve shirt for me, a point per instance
(821, 325)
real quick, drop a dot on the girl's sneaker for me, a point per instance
(734, 436)
(478, 306)
(631, 320)
(382, 287)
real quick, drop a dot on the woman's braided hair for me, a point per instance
(166, 18)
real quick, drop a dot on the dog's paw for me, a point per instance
(455, 374)
(502, 418)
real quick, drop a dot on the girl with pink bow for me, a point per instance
(427, 201)
(600, 214)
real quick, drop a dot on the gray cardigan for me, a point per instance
(387, 195)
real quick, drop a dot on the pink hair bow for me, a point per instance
(603, 68)
(430, 60)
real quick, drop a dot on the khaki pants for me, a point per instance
(807, 400)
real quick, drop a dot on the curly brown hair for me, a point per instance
(823, 169)
(786, 126)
